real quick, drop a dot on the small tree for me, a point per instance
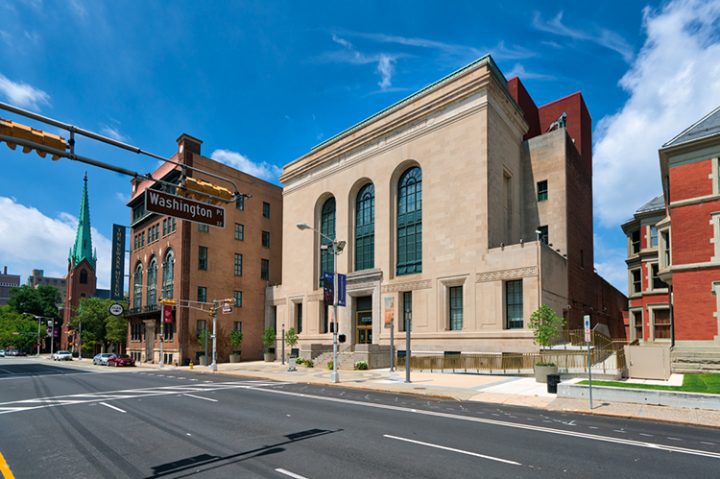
(291, 338)
(236, 337)
(546, 324)
(269, 338)
(203, 336)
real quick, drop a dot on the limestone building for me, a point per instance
(464, 206)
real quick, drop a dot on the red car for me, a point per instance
(121, 360)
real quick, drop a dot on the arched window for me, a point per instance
(168, 276)
(83, 276)
(409, 222)
(137, 286)
(327, 228)
(152, 282)
(365, 228)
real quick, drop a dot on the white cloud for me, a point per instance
(385, 68)
(32, 240)
(113, 133)
(385, 61)
(610, 264)
(122, 197)
(241, 162)
(603, 37)
(519, 71)
(674, 81)
(22, 94)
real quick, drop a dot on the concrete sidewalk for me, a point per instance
(509, 390)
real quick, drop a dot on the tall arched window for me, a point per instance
(83, 276)
(327, 228)
(365, 228)
(409, 222)
(152, 282)
(168, 276)
(137, 286)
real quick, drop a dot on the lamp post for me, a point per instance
(335, 247)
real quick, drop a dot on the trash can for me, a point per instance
(291, 364)
(552, 381)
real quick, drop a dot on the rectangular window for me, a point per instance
(265, 269)
(324, 318)
(455, 308)
(653, 236)
(666, 249)
(514, 304)
(266, 239)
(298, 318)
(238, 265)
(542, 190)
(165, 227)
(142, 239)
(238, 298)
(239, 232)
(544, 234)
(173, 224)
(201, 326)
(240, 203)
(266, 210)
(406, 310)
(237, 326)
(635, 242)
(202, 294)
(138, 211)
(203, 258)
(661, 323)
(203, 228)
(636, 281)
(637, 325)
(657, 283)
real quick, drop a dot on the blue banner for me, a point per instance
(342, 282)
(328, 287)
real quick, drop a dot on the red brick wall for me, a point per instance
(643, 302)
(691, 232)
(690, 180)
(694, 304)
(527, 105)
(76, 292)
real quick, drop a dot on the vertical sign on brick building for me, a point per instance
(117, 270)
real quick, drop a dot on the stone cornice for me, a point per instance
(506, 274)
(407, 286)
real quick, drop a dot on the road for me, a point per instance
(91, 422)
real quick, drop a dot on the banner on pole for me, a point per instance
(342, 283)
(328, 288)
(167, 313)
(389, 308)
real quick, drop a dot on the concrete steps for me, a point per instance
(695, 360)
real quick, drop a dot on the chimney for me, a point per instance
(5, 270)
(187, 146)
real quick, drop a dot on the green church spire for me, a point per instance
(83, 241)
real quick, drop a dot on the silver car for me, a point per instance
(102, 358)
(62, 356)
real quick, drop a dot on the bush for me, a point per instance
(330, 365)
(269, 337)
(299, 361)
(361, 365)
(309, 363)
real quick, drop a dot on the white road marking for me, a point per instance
(290, 474)
(112, 407)
(646, 435)
(200, 397)
(452, 449)
(707, 443)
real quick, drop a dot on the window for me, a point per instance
(237, 326)
(239, 232)
(265, 269)
(657, 283)
(136, 330)
(327, 228)
(238, 298)
(238, 264)
(137, 286)
(153, 233)
(636, 279)
(83, 276)
(665, 235)
(653, 236)
(240, 203)
(202, 258)
(661, 323)
(266, 239)
(168, 275)
(542, 190)
(514, 304)
(138, 211)
(365, 228)
(635, 242)
(152, 282)
(637, 325)
(200, 326)
(202, 294)
(544, 235)
(203, 228)
(409, 222)
(324, 318)
(406, 310)
(298, 317)
(172, 222)
(266, 210)
(455, 308)
(164, 223)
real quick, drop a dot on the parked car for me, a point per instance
(2, 353)
(20, 353)
(102, 358)
(62, 356)
(121, 360)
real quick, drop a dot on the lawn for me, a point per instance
(708, 383)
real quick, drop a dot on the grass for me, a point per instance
(708, 383)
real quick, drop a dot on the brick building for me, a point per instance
(194, 264)
(7, 282)
(689, 241)
(464, 206)
(648, 315)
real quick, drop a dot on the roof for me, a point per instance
(655, 204)
(82, 249)
(160, 173)
(707, 126)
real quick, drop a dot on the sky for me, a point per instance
(263, 82)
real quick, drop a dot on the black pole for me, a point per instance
(407, 347)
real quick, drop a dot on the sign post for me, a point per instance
(586, 321)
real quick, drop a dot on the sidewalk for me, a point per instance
(508, 390)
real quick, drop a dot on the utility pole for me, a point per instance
(162, 338)
(408, 326)
(80, 340)
(392, 346)
(213, 366)
(52, 339)
(334, 377)
(283, 344)
(38, 337)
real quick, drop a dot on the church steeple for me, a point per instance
(83, 241)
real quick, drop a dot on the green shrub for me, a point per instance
(299, 361)
(330, 365)
(309, 363)
(268, 338)
(545, 324)
(361, 365)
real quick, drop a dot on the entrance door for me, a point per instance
(149, 341)
(363, 320)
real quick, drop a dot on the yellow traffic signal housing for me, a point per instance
(168, 301)
(24, 132)
(199, 189)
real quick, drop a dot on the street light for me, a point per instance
(40, 318)
(335, 247)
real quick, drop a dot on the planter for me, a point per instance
(269, 357)
(235, 358)
(541, 372)
(202, 360)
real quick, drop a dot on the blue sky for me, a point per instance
(262, 82)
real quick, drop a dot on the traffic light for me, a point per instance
(199, 189)
(168, 301)
(24, 132)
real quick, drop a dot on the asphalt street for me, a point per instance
(90, 422)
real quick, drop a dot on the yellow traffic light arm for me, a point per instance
(10, 129)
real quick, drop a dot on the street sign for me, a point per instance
(586, 324)
(167, 313)
(226, 308)
(342, 282)
(116, 309)
(183, 208)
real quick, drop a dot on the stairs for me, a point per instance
(346, 359)
(695, 360)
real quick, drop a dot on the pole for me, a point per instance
(334, 377)
(80, 341)
(162, 335)
(205, 342)
(283, 344)
(589, 376)
(213, 366)
(38, 337)
(392, 346)
(52, 339)
(408, 323)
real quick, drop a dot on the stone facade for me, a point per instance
(482, 163)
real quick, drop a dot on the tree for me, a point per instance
(93, 314)
(116, 330)
(236, 337)
(41, 301)
(18, 331)
(291, 338)
(546, 324)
